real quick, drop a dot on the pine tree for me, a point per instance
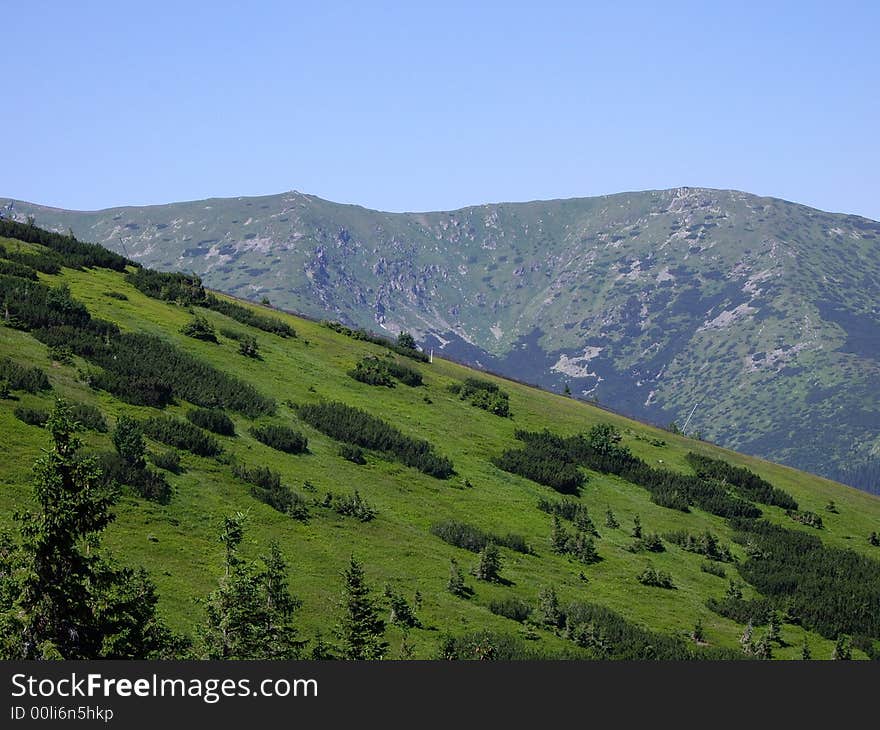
(842, 648)
(249, 615)
(637, 528)
(401, 613)
(698, 634)
(406, 340)
(281, 636)
(455, 585)
(764, 649)
(774, 627)
(549, 612)
(745, 641)
(584, 549)
(128, 438)
(361, 630)
(490, 563)
(59, 598)
(610, 520)
(558, 537)
(805, 650)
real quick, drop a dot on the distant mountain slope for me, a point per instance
(762, 313)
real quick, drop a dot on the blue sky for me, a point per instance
(425, 106)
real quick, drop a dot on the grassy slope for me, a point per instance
(185, 561)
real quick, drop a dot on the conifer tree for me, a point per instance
(842, 648)
(128, 438)
(558, 537)
(249, 615)
(806, 654)
(59, 598)
(549, 612)
(637, 528)
(361, 630)
(489, 567)
(456, 585)
(611, 520)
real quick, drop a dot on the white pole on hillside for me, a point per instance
(684, 428)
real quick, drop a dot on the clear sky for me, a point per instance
(427, 106)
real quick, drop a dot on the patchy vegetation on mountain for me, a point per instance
(760, 312)
(266, 502)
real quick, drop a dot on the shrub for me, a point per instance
(384, 371)
(744, 481)
(361, 334)
(249, 347)
(168, 460)
(266, 487)
(543, 465)
(705, 543)
(144, 482)
(281, 438)
(88, 417)
(357, 427)
(353, 454)
(199, 328)
(372, 371)
(656, 578)
(353, 505)
(116, 295)
(212, 419)
(181, 435)
(30, 380)
(650, 543)
(512, 608)
(14, 268)
(262, 476)
(401, 613)
(713, 569)
(805, 517)
(284, 500)
(483, 394)
(474, 539)
(31, 416)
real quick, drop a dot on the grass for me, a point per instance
(178, 543)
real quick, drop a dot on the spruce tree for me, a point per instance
(558, 537)
(637, 528)
(59, 597)
(549, 612)
(489, 567)
(806, 654)
(361, 630)
(764, 649)
(249, 615)
(842, 648)
(455, 585)
(128, 438)
(698, 634)
(281, 636)
(611, 520)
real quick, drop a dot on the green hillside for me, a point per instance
(178, 544)
(761, 312)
